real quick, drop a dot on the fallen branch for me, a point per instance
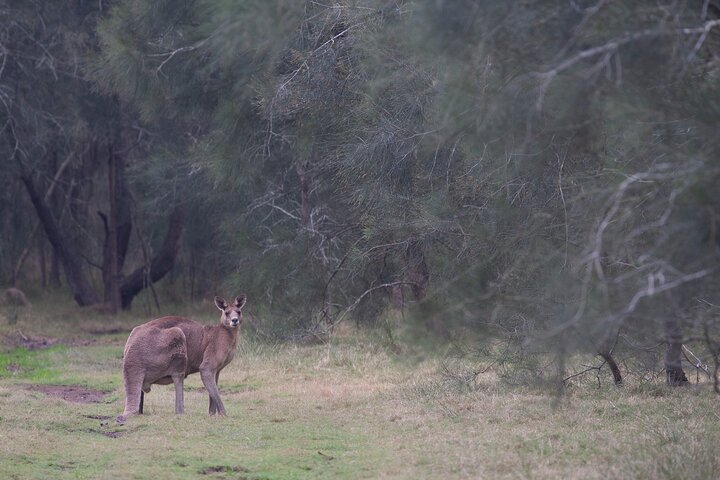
(588, 369)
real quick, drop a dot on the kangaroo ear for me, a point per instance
(220, 303)
(240, 300)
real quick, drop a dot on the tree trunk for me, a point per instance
(51, 196)
(54, 280)
(112, 276)
(617, 376)
(124, 228)
(55, 199)
(43, 269)
(673, 355)
(304, 194)
(118, 227)
(160, 265)
(68, 256)
(417, 270)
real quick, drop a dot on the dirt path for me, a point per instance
(70, 393)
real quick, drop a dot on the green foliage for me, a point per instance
(535, 171)
(368, 143)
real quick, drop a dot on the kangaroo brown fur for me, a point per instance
(168, 349)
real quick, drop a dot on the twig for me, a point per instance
(171, 55)
(325, 456)
(350, 308)
(589, 369)
(697, 363)
(612, 47)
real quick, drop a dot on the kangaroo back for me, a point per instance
(152, 355)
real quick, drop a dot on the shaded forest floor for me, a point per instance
(349, 409)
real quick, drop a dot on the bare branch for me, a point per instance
(611, 47)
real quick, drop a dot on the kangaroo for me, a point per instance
(168, 349)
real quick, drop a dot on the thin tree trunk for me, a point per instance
(675, 374)
(70, 259)
(121, 215)
(192, 275)
(50, 194)
(146, 262)
(43, 269)
(54, 279)
(617, 376)
(715, 352)
(23, 255)
(304, 194)
(160, 265)
(55, 200)
(112, 277)
(417, 270)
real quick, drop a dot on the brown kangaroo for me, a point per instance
(168, 349)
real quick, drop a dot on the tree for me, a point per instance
(58, 135)
(529, 170)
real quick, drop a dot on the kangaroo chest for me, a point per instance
(220, 349)
(229, 357)
(230, 353)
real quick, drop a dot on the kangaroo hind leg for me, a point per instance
(133, 394)
(178, 366)
(179, 400)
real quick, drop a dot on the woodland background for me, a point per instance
(524, 179)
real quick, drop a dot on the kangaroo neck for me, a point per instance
(227, 332)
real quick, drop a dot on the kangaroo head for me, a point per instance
(231, 314)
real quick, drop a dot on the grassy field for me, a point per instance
(353, 408)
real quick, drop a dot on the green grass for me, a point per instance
(35, 366)
(350, 409)
(265, 436)
(50, 366)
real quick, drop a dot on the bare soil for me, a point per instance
(107, 433)
(70, 393)
(222, 469)
(98, 417)
(13, 368)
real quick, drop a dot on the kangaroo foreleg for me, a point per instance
(208, 379)
(213, 405)
(142, 401)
